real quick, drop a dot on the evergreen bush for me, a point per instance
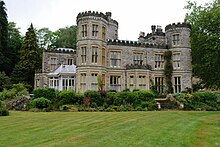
(109, 98)
(95, 97)
(4, 112)
(68, 97)
(40, 103)
(48, 93)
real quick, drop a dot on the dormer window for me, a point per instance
(176, 39)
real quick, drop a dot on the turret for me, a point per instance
(112, 27)
(178, 41)
(178, 35)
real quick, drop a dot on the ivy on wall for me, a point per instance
(168, 71)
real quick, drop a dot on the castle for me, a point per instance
(120, 64)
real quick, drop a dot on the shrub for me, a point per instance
(2, 104)
(126, 90)
(17, 91)
(127, 107)
(118, 98)
(4, 112)
(70, 108)
(40, 103)
(35, 110)
(122, 98)
(144, 104)
(80, 98)
(48, 93)
(101, 109)
(138, 108)
(141, 96)
(109, 109)
(7, 94)
(199, 101)
(68, 97)
(136, 90)
(152, 105)
(95, 97)
(109, 98)
(208, 98)
(20, 89)
(115, 108)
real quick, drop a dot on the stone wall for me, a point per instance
(61, 58)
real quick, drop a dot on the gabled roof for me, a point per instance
(64, 69)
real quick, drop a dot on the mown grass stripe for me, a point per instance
(165, 128)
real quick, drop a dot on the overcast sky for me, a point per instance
(133, 16)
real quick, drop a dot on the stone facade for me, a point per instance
(124, 64)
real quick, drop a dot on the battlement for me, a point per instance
(178, 25)
(61, 50)
(133, 43)
(106, 16)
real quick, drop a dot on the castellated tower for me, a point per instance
(93, 31)
(178, 41)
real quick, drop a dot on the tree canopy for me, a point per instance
(15, 43)
(30, 56)
(45, 37)
(205, 41)
(4, 60)
(66, 37)
(63, 37)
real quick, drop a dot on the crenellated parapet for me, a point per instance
(178, 25)
(133, 43)
(178, 35)
(61, 50)
(106, 16)
(92, 13)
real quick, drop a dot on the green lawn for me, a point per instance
(157, 128)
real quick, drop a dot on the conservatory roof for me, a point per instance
(64, 69)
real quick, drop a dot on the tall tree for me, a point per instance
(30, 56)
(15, 42)
(205, 40)
(4, 60)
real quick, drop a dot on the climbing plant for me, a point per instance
(168, 71)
